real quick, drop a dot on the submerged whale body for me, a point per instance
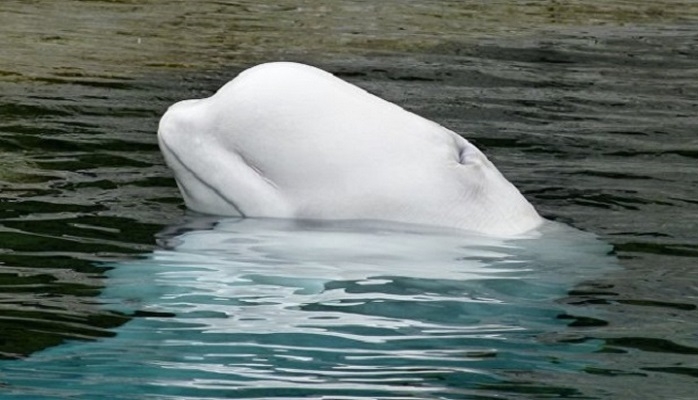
(287, 140)
(228, 307)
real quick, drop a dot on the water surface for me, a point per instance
(284, 309)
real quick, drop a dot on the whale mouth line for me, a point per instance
(196, 176)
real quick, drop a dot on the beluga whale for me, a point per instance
(288, 140)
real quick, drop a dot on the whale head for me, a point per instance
(287, 140)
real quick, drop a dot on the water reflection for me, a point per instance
(276, 308)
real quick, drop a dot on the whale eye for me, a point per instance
(465, 152)
(461, 154)
(468, 154)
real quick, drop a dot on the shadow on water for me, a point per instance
(595, 123)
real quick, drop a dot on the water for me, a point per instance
(589, 110)
(265, 308)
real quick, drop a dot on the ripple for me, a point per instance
(651, 344)
(335, 312)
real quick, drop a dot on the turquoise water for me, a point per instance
(280, 309)
(589, 109)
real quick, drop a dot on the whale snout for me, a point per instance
(182, 141)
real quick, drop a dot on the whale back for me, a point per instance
(292, 141)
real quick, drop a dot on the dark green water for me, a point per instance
(590, 111)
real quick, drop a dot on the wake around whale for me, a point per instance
(287, 140)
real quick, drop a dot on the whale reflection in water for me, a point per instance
(307, 257)
(281, 308)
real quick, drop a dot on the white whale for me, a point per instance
(287, 140)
